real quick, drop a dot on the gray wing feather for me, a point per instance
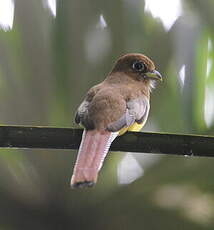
(137, 111)
(82, 116)
(126, 120)
(82, 111)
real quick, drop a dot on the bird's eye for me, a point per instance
(139, 66)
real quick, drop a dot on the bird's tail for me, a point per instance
(93, 149)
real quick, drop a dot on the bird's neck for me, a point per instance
(122, 79)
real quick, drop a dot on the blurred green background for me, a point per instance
(51, 53)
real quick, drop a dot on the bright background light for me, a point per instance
(6, 14)
(167, 10)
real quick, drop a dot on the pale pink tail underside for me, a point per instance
(93, 149)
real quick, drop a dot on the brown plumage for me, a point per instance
(118, 104)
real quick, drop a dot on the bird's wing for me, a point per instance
(137, 111)
(82, 111)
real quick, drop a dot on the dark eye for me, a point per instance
(139, 66)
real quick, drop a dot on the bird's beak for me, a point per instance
(154, 74)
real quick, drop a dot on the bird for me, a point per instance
(120, 103)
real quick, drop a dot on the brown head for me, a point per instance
(137, 66)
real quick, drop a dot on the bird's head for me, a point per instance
(137, 66)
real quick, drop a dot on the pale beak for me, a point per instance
(154, 74)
